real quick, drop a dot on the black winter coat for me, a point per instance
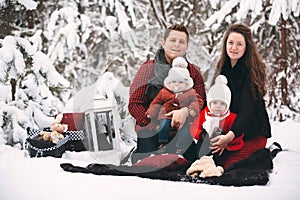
(252, 118)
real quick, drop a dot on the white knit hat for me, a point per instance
(179, 72)
(219, 91)
(179, 62)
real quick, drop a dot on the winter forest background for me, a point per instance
(50, 50)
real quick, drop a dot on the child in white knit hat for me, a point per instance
(216, 118)
(177, 93)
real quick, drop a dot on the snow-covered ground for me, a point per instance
(23, 178)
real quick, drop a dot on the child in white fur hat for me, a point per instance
(216, 118)
(177, 93)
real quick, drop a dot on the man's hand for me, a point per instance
(192, 112)
(178, 117)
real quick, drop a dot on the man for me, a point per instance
(148, 82)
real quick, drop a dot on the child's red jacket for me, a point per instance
(225, 124)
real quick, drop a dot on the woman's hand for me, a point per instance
(219, 143)
(178, 117)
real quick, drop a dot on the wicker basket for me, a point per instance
(40, 148)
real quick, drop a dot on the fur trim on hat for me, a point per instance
(219, 91)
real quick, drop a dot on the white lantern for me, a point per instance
(100, 122)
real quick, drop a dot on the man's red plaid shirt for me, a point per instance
(138, 98)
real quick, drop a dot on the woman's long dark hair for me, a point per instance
(253, 61)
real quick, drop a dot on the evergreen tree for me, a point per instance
(33, 88)
(51, 49)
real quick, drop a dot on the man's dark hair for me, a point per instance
(177, 27)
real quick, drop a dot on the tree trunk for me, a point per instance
(30, 19)
(283, 64)
(161, 23)
(163, 13)
(13, 83)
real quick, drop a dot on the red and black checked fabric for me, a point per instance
(138, 87)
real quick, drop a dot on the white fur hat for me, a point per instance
(219, 91)
(179, 72)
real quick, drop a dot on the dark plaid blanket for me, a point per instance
(254, 170)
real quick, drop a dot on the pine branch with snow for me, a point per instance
(35, 91)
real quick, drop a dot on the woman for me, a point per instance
(242, 65)
(148, 82)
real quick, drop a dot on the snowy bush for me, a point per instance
(34, 90)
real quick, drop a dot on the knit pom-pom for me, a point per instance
(179, 62)
(221, 79)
